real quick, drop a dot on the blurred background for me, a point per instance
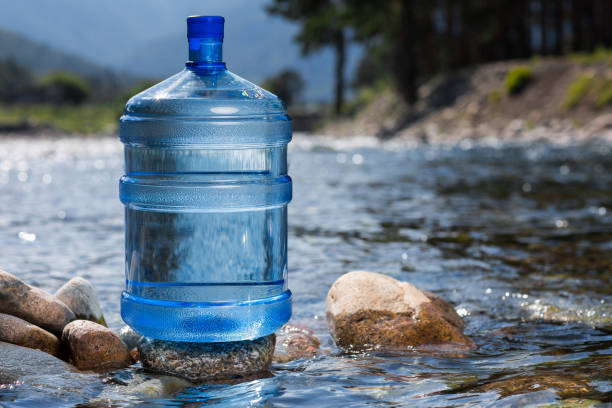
(69, 66)
(464, 146)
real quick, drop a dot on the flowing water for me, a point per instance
(517, 236)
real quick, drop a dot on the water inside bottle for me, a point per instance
(211, 256)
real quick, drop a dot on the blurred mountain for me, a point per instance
(43, 59)
(147, 38)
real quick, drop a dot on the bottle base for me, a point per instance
(206, 322)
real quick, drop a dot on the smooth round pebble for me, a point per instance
(95, 347)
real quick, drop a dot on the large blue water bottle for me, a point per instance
(205, 193)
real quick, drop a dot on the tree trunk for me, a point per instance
(559, 37)
(428, 39)
(501, 49)
(340, 62)
(605, 12)
(577, 29)
(590, 28)
(405, 64)
(544, 26)
(523, 25)
(467, 41)
(451, 49)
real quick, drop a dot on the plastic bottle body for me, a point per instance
(206, 192)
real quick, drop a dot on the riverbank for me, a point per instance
(540, 98)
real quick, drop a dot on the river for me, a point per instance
(517, 236)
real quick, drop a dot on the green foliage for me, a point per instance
(413, 41)
(323, 23)
(65, 118)
(591, 58)
(535, 60)
(15, 80)
(604, 94)
(64, 87)
(373, 67)
(517, 79)
(577, 90)
(320, 20)
(494, 97)
(364, 97)
(287, 85)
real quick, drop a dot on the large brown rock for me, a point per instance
(366, 309)
(79, 295)
(199, 362)
(92, 346)
(17, 331)
(295, 342)
(34, 305)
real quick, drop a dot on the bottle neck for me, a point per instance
(205, 53)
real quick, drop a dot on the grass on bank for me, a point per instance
(590, 58)
(365, 96)
(604, 94)
(86, 118)
(589, 89)
(494, 96)
(577, 90)
(517, 79)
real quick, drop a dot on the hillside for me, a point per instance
(43, 59)
(571, 95)
(146, 38)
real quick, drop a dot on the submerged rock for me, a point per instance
(79, 295)
(294, 342)
(94, 347)
(199, 362)
(599, 315)
(129, 336)
(565, 385)
(130, 391)
(17, 362)
(366, 309)
(17, 331)
(34, 305)
(157, 387)
(38, 379)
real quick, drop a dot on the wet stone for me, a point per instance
(157, 387)
(129, 336)
(134, 355)
(565, 386)
(38, 379)
(94, 347)
(366, 309)
(17, 331)
(34, 305)
(18, 362)
(200, 362)
(79, 295)
(130, 391)
(295, 342)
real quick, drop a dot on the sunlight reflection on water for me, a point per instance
(517, 237)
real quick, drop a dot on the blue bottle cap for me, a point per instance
(210, 27)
